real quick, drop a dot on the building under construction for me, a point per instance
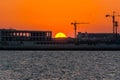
(24, 35)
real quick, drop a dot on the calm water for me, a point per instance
(59, 65)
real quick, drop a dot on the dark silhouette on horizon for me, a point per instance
(115, 23)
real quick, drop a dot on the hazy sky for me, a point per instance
(56, 15)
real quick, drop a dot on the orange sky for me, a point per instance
(56, 15)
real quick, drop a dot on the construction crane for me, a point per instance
(115, 23)
(75, 27)
(116, 26)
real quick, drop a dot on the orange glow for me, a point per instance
(60, 35)
(56, 15)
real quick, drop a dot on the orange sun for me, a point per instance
(60, 35)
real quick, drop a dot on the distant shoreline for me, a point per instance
(63, 47)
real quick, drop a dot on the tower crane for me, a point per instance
(115, 23)
(75, 27)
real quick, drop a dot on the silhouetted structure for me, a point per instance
(97, 38)
(94, 36)
(24, 35)
(42, 40)
(75, 26)
(116, 28)
(115, 23)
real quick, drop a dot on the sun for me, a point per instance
(60, 35)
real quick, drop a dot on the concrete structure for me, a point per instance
(24, 35)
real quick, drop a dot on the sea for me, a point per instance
(59, 65)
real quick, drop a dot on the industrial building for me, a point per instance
(100, 36)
